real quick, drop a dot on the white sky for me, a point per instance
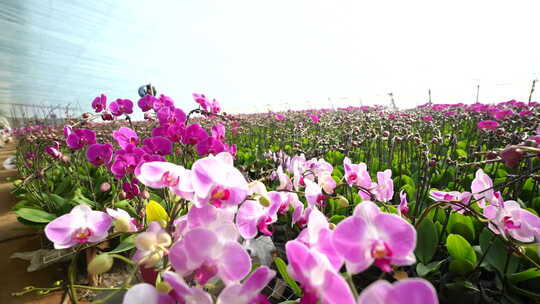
(267, 52)
(251, 53)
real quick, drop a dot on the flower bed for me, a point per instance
(356, 205)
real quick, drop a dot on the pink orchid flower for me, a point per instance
(356, 174)
(163, 174)
(509, 219)
(257, 215)
(403, 208)
(144, 293)
(414, 290)
(81, 225)
(370, 236)
(318, 235)
(253, 217)
(384, 190)
(482, 189)
(284, 180)
(313, 193)
(216, 181)
(453, 196)
(207, 253)
(327, 182)
(248, 291)
(317, 276)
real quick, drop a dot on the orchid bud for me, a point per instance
(511, 156)
(105, 187)
(145, 194)
(163, 287)
(342, 201)
(123, 194)
(100, 264)
(264, 200)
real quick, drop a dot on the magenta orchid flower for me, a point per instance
(210, 145)
(125, 161)
(216, 181)
(121, 106)
(371, 236)
(193, 134)
(81, 225)
(453, 196)
(488, 125)
(99, 103)
(317, 276)
(248, 291)
(131, 189)
(146, 103)
(163, 102)
(314, 118)
(218, 132)
(125, 136)
(509, 219)
(171, 115)
(174, 132)
(414, 290)
(157, 145)
(54, 150)
(79, 138)
(202, 101)
(215, 107)
(99, 154)
(427, 118)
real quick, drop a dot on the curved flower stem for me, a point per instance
(349, 279)
(71, 278)
(426, 212)
(123, 258)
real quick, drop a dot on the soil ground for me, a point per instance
(15, 237)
